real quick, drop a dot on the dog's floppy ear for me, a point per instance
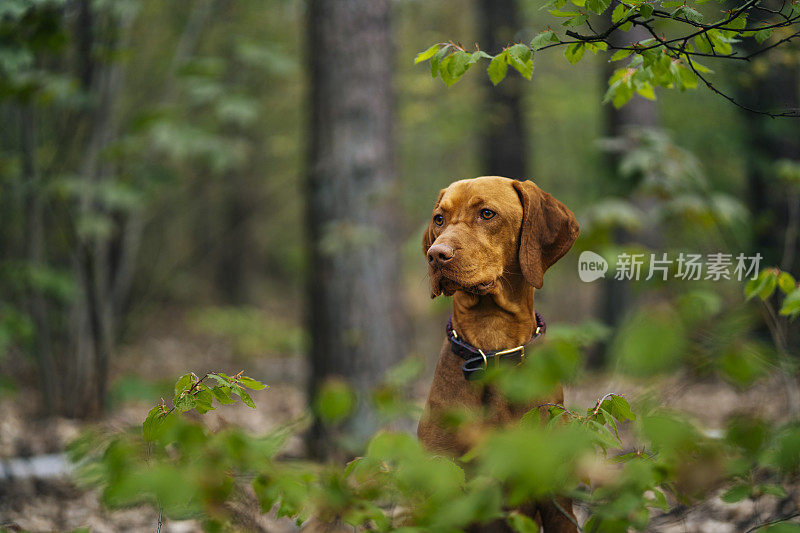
(428, 237)
(548, 231)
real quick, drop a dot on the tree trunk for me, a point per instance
(504, 140)
(637, 113)
(354, 309)
(37, 303)
(774, 87)
(92, 318)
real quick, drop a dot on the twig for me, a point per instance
(601, 36)
(604, 398)
(770, 47)
(565, 513)
(558, 405)
(791, 113)
(776, 521)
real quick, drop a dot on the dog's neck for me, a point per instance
(499, 320)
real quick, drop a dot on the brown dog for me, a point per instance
(489, 243)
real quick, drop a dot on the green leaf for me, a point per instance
(621, 409)
(646, 10)
(455, 66)
(736, 494)
(763, 35)
(596, 46)
(773, 490)
(714, 41)
(686, 78)
(427, 54)
(621, 95)
(437, 58)
(183, 383)
(498, 67)
(461, 61)
(335, 401)
(222, 380)
(598, 6)
(701, 68)
(223, 395)
(646, 90)
(563, 14)
(574, 22)
(783, 527)
(742, 365)
(791, 304)
(543, 39)
(184, 402)
(574, 52)
(153, 424)
(521, 58)
(240, 392)
(521, 523)
(763, 286)
(689, 14)
(620, 54)
(251, 383)
(786, 283)
(480, 54)
(739, 23)
(703, 44)
(659, 500)
(619, 13)
(203, 401)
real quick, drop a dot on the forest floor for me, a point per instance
(170, 349)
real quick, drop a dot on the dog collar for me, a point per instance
(476, 361)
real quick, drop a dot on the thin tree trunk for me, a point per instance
(93, 311)
(354, 309)
(37, 303)
(232, 258)
(124, 265)
(504, 140)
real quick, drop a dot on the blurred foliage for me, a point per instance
(129, 388)
(251, 331)
(624, 464)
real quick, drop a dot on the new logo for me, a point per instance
(591, 266)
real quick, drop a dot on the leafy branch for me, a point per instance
(657, 61)
(191, 392)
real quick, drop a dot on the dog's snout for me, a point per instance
(439, 254)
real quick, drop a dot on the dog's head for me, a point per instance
(484, 228)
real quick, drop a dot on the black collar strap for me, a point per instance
(476, 360)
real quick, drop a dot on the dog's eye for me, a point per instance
(438, 220)
(486, 214)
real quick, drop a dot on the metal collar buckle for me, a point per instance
(497, 356)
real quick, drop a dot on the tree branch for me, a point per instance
(775, 521)
(790, 113)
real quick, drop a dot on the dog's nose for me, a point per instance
(439, 254)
